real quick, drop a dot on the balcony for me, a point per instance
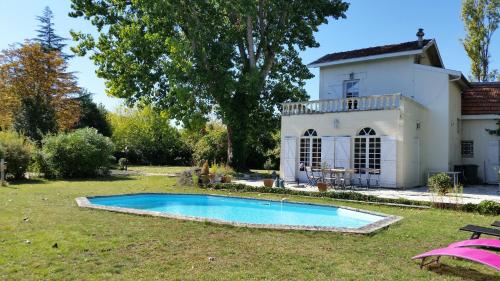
(366, 103)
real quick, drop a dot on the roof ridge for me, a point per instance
(375, 50)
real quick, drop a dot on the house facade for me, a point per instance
(394, 109)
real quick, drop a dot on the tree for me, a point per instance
(47, 37)
(481, 19)
(34, 88)
(92, 115)
(235, 59)
(35, 117)
(149, 137)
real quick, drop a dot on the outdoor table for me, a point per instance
(332, 171)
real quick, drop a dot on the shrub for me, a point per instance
(488, 207)
(149, 137)
(268, 165)
(212, 145)
(122, 163)
(204, 168)
(440, 183)
(82, 153)
(16, 151)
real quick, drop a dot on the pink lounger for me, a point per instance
(481, 256)
(486, 243)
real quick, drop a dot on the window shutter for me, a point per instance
(492, 162)
(288, 154)
(328, 151)
(388, 157)
(342, 152)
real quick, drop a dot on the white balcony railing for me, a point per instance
(382, 102)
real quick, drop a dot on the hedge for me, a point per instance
(484, 208)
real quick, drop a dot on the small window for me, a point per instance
(351, 88)
(467, 149)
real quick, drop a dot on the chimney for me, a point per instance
(420, 34)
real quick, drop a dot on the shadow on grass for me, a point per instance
(27, 181)
(110, 178)
(465, 273)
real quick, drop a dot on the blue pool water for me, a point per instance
(241, 210)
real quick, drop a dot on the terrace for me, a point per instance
(353, 104)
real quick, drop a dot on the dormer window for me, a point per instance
(351, 88)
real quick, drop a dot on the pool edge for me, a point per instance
(83, 202)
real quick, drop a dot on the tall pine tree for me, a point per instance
(47, 36)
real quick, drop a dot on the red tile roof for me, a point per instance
(481, 98)
(379, 50)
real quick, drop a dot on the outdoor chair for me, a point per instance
(311, 179)
(373, 178)
(478, 230)
(349, 177)
(329, 177)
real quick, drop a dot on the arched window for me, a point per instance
(310, 150)
(367, 132)
(367, 151)
(311, 133)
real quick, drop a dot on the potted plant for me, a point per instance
(322, 186)
(268, 165)
(213, 173)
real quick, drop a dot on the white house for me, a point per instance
(393, 108)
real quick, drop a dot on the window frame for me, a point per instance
(346, 82)
(463, 146)
(367, 150)
(310, 150)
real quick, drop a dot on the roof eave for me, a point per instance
(366, 58)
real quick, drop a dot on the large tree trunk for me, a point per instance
(237, 133)
(237, 147)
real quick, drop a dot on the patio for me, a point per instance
(471, 194)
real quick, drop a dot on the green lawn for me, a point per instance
(158, 169)
(100, 245)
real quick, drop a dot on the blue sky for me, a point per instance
(368, 23)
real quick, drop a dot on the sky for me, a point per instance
(368, 23)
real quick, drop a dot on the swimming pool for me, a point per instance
(243, 211)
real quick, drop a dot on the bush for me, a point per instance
(82, 153)
(487, 207)
(16, 151)
(149, 137)
(440, 183)
(212, 145)
(122, 163)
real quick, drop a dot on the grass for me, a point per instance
(98, 245)
(158, 169)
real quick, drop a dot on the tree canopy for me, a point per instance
(30, 78)
(481, 19)
(236, 59)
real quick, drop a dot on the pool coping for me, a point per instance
(83, 202)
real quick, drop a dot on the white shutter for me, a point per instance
(492, 162)
(328, 151)
(343, 152)
(388, 157)
(288, 154)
